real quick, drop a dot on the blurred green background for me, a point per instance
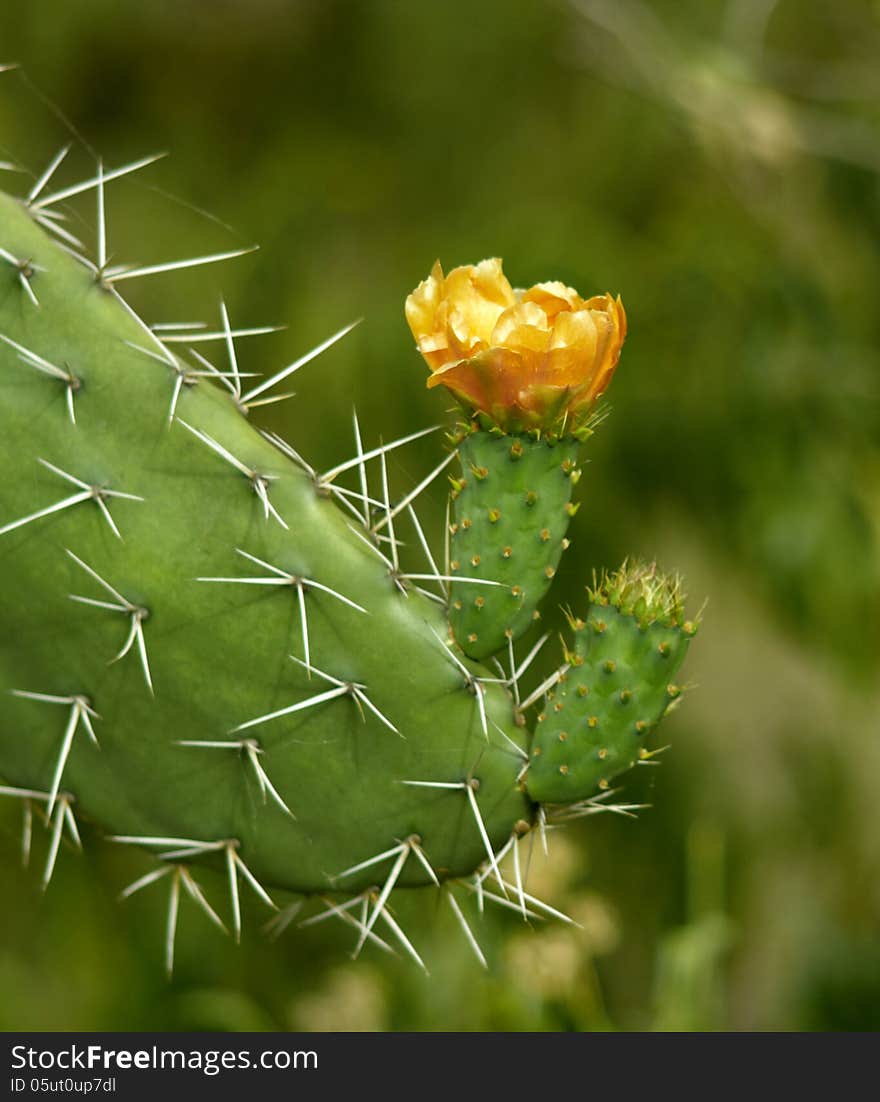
(717, 164)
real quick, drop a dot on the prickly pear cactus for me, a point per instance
(210, 650)
(617, 688)
(510, 515)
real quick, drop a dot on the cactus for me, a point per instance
(511, 511)
(617, 688)
(211, 651)
(527, 367)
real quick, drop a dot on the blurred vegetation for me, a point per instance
(715, 162)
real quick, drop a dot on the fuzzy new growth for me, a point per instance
(641, 590)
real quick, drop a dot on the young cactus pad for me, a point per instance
(510, 514)
(211, 651)
(616, 688)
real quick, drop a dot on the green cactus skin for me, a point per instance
(617, 688)
(511, 512)
(218, 652)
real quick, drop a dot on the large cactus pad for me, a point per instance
(209, 497)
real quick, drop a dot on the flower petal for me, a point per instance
(488, 381)
(524, 326)
(553, 297)
(477, 295)
(421, 305)
(573, 347)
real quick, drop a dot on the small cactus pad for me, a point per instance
(511, 511)
(616, 689)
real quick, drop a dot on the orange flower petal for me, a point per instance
(524, 326)
(553, 297)
(422, 304)
(477, 295)
(573, 344)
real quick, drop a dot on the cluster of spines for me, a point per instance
(488, 883)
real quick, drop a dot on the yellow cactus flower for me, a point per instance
(535, 359)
